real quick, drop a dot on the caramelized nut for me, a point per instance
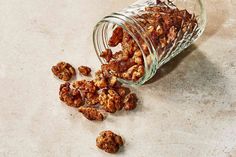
(71, 97)
(91, 113)
(110, 100)
(130, 102)
(109, 141)
(116, 37)
(63, 71)
(84, 70)
(107, 55)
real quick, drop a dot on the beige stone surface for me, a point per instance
(188, 110)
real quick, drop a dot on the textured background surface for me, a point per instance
(189, 110)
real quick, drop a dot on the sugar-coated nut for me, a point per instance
(107, 55)
(85, 86)
(172, 34)
(91, 113)
(130, 101)
(100, 80)
(121, 56)
(91, 99)
(138, 60)
(109, 141)
(84, 70)
(110, 100)
(71, 97)
(134, 73)
(112, 81)
(138, 73)
(122, 91)
(63, 71)
(116, 37)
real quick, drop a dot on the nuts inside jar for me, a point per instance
(164, 26)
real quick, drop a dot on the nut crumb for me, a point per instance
(109, 141)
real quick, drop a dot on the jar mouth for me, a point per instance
(101, 36)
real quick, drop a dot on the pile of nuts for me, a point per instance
(104, 93)
(95, 97)
(162, 25)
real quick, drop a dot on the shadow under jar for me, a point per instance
(133, 43)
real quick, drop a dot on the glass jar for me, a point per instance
(138, 21)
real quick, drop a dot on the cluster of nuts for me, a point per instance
(94, 98)
(104, 93)
(164, 26)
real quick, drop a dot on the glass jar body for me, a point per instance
(158, 29)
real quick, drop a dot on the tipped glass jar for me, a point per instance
(133, 43)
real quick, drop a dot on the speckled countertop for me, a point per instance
(189, 110)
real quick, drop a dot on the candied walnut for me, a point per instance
(118, 66)
(121, 56)
(85, 86)
(130, 101)
(122, 91)
(159, 30)
(107, 55)
(71, 97)
(134, 73)
(100, 80)
(163, 42)
(109, 141)
(91, 98)
(110, 100)
(172, 34)
(84, 70)
(112, 81)
(138, 73)
(138, 60)
(103, 79)
(63, 71)
(91, 113)
(116, 37)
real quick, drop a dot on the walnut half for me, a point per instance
(109, 141)
(91, 113)
(71, 97)
(63, 71)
